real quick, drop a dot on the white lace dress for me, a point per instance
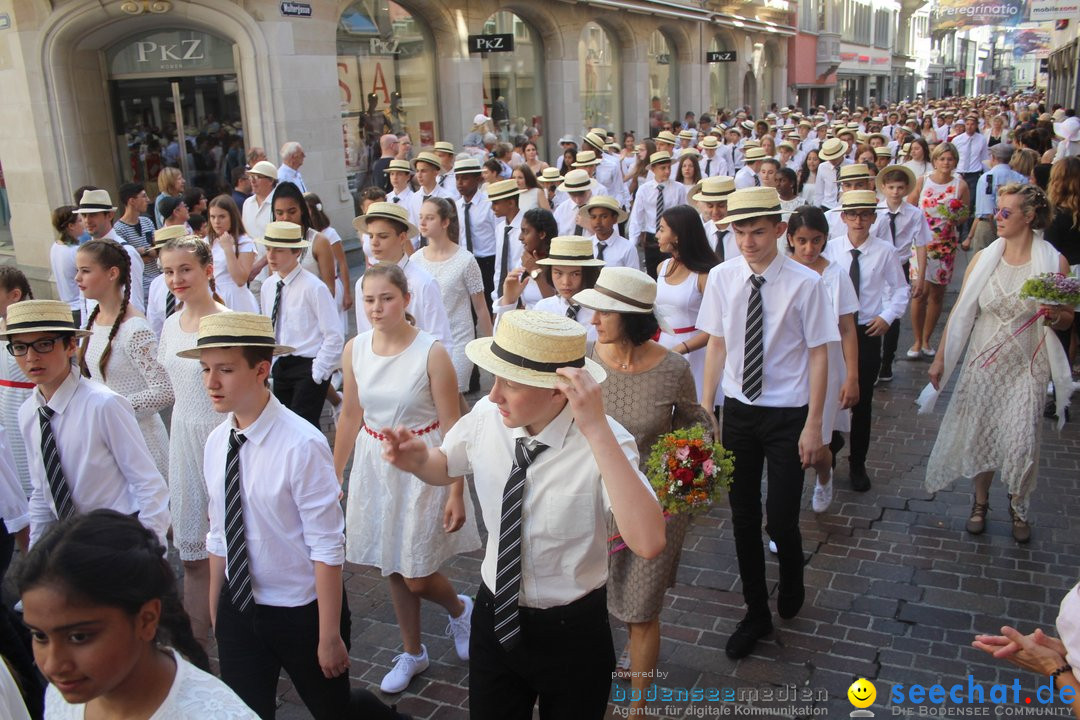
(236, 297)
(133, 371)
(994, 418)
(193, 417)
(394, 520)
(459, 279)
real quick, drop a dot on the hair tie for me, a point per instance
(318, 206)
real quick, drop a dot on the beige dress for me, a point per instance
(649, 404)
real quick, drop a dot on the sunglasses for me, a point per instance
(1005, 213)
(44, 346)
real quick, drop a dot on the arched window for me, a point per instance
(513, 82)
(719, 91)
(598, 77)
(663, 82)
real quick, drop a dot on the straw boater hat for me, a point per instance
(859, 200)
(689, 152)
(709, 142)
(659, 158)
(264, 168)
(429, 158)
(883, 151)
(443, 146)
(467, 166)
(747, 124)
(857, 171)
(686, 135)
(607, 203)
(622, 290)
(284, 235)
(571, 250)
(585, 158)
(399, 166)
(884, 138)
(754, 154)
(235, 329)
(594, 139)
(549, 175)
(665, 136)
(34, 316)
(786, 144)
(578, 181)
(504, 189)
(388, 211)
(832, 149)
(95, 201)
(530, 345)
(889, 170)
(714, 189)
(752, 202)
(165, 234)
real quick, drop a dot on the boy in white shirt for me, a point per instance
(399, 172)
(653, 197)
(714, 193)
(602, 214)
(832, 153)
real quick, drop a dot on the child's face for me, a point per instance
(567, 280)
(384, 303)
(783, 186)
(522, 405)
(426, 174)
(86, 651)
(183, 273)
(895, 191)
(717, 210)
(387, 244)
(281, 260)
(756, 239)
(808, 244)
(94, 280)
(229, 380)
(858, 221)
(47, 368)
(430, 222)
(661, 171)
(398, 179)
(220, 221)
(602, 221)
(76, 227)
(286, 209)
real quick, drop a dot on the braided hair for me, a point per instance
(107, 254)
(109, 559)
(202, 252)
(12, 278)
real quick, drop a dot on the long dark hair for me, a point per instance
(288, 190)
(236, 222)
(808, 216)
(804, 171)
(109, 559)
(447, 211)
(543, 221)
(694, 250)
(107, 254)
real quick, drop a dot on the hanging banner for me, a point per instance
(1039, 10)
(1029, 42)
(957, 14)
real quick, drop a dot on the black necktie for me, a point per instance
(720, 245)
(504, 260)
(578, 230)
(54, 473)
(277, 305)
(659, 205)
(239, 579)
(853, 271)
(754, 349)
(708, 167)
(601, 246)
(572, 311)
(170, 304)
(397, 199)
(440, 183)
(892, 226)
(757, 180)
(508, 567)
(468, 227)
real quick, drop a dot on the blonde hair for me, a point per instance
(1032, 200)
(1064, 187)
(1024, 161)
(168, 180)
(942, 148)
(202, 252)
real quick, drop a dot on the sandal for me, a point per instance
(1021, 530)
(622, 667)
(976, 524)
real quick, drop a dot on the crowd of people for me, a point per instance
(746, 274)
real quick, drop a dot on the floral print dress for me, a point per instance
(945, 212)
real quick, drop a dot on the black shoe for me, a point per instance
(860, 481)
(789, 600)
(885, 374)
(747, 633)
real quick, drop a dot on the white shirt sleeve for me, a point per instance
(894, 303)
(315, 491)
(14, 508)
(328, 357)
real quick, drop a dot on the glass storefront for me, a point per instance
(386, 74)
(598, 78)
(718, 74)
(513, 82)
(663, 83)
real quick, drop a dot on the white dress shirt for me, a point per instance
(714, 166)
(447, 183)
(564, 549)
(14, 509)
(618, 251)
(256, 217)
(416, 200)
(797, 316)
(609, 175)
(883, 291)
(102, 451)
(425, 303)
(836, 222)
(514, 248)
(402, 198)
(482, 222)
(746, 177)
(155, 304)
(643, 216)
(307, 320)
(973, 152)
(912, 229)
(62, 261)
(287, 174)
(828, 189)
(558, 305)
(289, 494)
(731, 248)
(566, 215)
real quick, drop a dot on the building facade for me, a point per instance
(1063, 65)
(106, 91)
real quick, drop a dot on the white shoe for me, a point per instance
(406, 667)
(460, 627)
(772, 547)
(822, 496)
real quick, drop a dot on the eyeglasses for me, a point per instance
(1005, 213)
(44, 346)
(859, 214)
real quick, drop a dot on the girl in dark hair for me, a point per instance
(681, 282)
(526, 285)
(121, 352)
(69, 227)
(233, 254)
(108, 629)
(289, 206)
(321, 222)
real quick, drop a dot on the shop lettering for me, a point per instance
(178, 52)
(720, 56)
(491, 43)
(384, 47)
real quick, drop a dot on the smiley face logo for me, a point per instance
(862, 693)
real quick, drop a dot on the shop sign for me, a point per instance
(864, 59)
(170, 51)
(296, 9)
(1039, 10)
(720, 56)
(881, 61)
(503, 42)
(958, 14)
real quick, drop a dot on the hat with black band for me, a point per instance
(235, 329)
(620, 289)
(750, 203)
(284, 235)
(95, 201)
(571, 250)
(34, 316)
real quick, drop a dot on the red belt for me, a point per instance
(676, 331)
(17, 384)
(421, 431)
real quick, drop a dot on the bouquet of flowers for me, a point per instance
(1052, 289)
(687, 472)
(953, 210)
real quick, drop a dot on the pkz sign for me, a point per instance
(171, 51)
(491, 43)
(720, 56)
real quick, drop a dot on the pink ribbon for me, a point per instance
(995, 349)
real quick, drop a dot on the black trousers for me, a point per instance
(869, 366)
(972, 179)
(487, 272)
(756, 435)
(565, 658)
(892, 337)
(653, 256)
(296, 390)
(7, 549)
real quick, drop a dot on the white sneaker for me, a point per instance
(822, 496)
(772, 547)
(406, 666)
(460, 627)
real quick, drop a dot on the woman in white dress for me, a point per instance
(680, 282)
(808, 178)
(994, 419)
(69, 226)
(395, 522)
(343, 285)
(532, 194)
(458, 275)
(187, 266)
(918, 157)
(233, 255)
(121, 352)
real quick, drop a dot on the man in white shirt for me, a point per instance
(540, 625)
(445, 152)
(714, 194)
(477, 222)
(503, 196)
(578, 187)
(292, 157)
(974, 153)
(832, 155)
(748, 175)
(769, 322)
(427, 171)
(257, 213)
(398, 173)
(608, 172)
(712, 163)
(602, 214)
(653, 197)
(98, 212)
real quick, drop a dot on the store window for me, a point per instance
(386, 75)
(598, 78)
(718, 74)
(663, 82)
(513, 82)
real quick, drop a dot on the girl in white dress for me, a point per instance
(121, 352)
(397, 523)
(187, 266)
(680, 282)
(69, 226)
(15, 387)
(808, 232)
(233, 255)
(458, 275)
(106, 571)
